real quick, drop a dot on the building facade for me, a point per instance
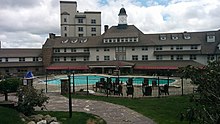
(122, 47)
(78, 24)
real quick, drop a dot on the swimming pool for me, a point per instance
(92, 79)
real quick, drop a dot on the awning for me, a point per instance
(67, 68)
(156, 67)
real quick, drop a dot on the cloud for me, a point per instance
(19, 3)
(26, 23)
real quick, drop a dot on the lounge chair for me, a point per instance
(164, 89)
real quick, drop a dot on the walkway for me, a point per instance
(111, 113)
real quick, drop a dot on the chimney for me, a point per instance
(106, 28)
(52, 35)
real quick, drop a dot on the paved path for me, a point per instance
(111, 113)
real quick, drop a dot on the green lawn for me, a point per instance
(164, 110)
(9, 116)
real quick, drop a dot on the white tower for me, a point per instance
(122, 16)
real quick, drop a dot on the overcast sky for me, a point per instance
(26, 23)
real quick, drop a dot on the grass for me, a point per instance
(9, 116)
(164, 110)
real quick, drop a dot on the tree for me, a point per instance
(8, 86)
(207, 101)
(30, 98)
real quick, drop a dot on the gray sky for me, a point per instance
(26, 23)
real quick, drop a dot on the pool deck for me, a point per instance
(174, 89)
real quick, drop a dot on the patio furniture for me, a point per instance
(164, 89)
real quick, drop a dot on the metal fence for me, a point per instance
(178, 87)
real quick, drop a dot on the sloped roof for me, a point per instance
(165, 64)
(20, 64)
(112, 63)
(18, 52)
(115, 32)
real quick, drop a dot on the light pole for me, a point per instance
(46, 80)
(70, 99)
(73, 83)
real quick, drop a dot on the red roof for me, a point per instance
(67, 68)
(156, 67)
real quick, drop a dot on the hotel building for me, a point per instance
(122, 47)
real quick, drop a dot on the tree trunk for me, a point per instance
(6, 96)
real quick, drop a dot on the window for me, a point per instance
(93, 21)
(179, 57)
(64, 50)
(80, 29)
(80, 35)
(106, 49)
(159, 48)
(175, 37)
(86, 49)
(159, 57)
(134, 57)
(93, 29)
(73, 50)
(192, 57)
(6, 59)
(144, 57)
(64, 58)
(144, 48)
(35, 59)
(0, 59)
(73, 58)
(211, 37)
(65, 28)
(65, 34)
(163, 37)
(171, 48)
(106, 58)
(97, 50)
(93, 34)
(133, 48)
(56, 50)
(86, 58)
(120, 49)
(179, 47)
(65, 20)
(21, 59)
(56, 59)
(80, 20)
(210, 57)
(186, 36)
(194, 47)
(171, 57)
(97, 58)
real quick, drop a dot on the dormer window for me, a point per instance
(186, 36)
(74, 41)
(210, 37)
(64, 41)
(219, 46)
(163, 37)
(175, 37)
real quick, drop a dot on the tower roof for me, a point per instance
(122, 11)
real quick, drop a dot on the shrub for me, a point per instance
(8, 86)
(30, 98)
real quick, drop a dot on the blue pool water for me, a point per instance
(92, 79)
